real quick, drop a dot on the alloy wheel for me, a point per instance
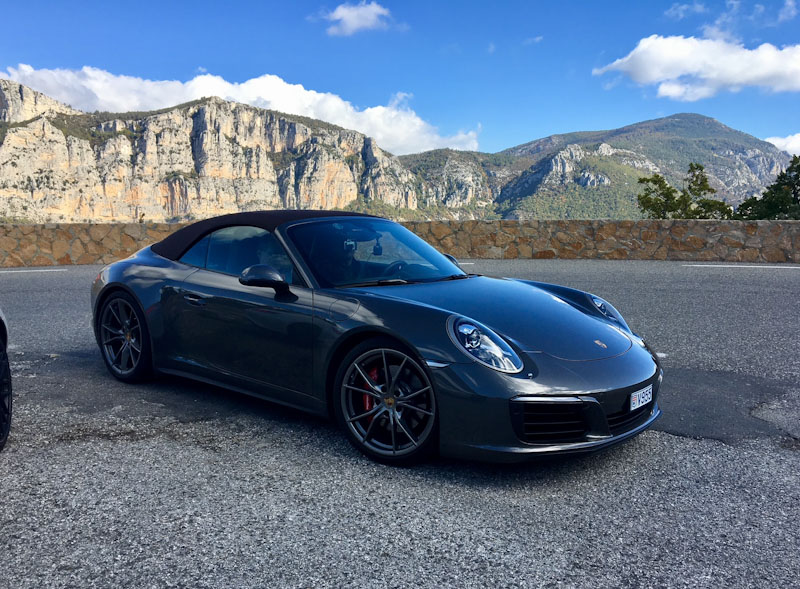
(388, 402)
(121, 336)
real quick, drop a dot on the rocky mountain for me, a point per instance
(594, 174)
(19, 103)
(195, 160)
(210, 157)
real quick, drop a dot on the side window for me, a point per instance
(196, 255)
(271, 252)
(233, 249)
(230, 250)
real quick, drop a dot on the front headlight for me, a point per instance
(608, 311)
(482, 344)
(602, 306)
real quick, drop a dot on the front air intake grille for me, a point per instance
(548, 423)
(626, 420)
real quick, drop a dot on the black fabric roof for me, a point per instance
(174, 245)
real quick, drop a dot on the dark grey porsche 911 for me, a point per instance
(356, 317)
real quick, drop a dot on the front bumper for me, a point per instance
(484, 415)
(590, 444)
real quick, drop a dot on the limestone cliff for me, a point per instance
(19, 103)
(196, 160)
(210, 157)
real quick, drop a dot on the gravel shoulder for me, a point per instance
(173, 483)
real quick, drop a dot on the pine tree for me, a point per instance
(662, 201)
(781, 199)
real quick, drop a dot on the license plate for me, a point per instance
(640, 398)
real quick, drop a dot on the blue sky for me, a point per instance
(418, 75)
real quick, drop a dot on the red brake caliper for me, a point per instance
(369, 400)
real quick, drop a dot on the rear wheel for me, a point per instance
(124, 339)
(5, 396)
(385, 403)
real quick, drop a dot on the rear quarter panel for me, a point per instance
(151, 280)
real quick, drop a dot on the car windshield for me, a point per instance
(366, 252)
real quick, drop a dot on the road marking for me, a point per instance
(467, 263)
(39, 270)
(737, 266)
(661, 354)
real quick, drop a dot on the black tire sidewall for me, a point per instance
(143, 369)
(428, 447)
(4, 434)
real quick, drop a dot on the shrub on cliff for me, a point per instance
(781, 200)
(662, 201)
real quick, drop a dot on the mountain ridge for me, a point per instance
(212, 156)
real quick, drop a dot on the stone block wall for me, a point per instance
(75, 243)
(708, 241)
(694, 240)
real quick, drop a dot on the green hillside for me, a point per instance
(739, 166)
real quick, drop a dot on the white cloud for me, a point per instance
(790, 143)
(533, 40)
(689, 69)
(396, 127)
(723, 26)
(348, 18)
(491, 48)
(788, 12)
(681, 11)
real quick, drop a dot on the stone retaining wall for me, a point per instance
(710, 241)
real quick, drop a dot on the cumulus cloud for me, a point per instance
(395, 126)
(788, 11)
(681, 11)
(349, 19)
(790, 143)
(689, 69)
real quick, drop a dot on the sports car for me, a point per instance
(356, 317)
(5, 384)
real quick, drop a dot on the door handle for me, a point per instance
(195, 300)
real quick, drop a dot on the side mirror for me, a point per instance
(453, 259)
(264, 275)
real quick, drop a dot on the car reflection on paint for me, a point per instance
(356, 317)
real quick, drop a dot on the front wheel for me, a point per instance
(385, 403)
(5, 396)
(123, 338)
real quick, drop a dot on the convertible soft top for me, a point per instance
(174, 245)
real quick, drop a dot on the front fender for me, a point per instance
(421, 327)
(580, 300)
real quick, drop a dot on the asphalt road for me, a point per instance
(174, 483)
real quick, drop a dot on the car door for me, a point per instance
(251, 337)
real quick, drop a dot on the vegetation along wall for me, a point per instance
(693, 240)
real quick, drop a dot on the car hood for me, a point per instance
(534, 319)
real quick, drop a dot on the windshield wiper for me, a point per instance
(382, 282)
(455, 277)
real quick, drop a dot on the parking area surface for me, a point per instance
(174, 483)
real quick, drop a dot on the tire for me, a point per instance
(124, 339)
(6, 398)
(393, 421)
